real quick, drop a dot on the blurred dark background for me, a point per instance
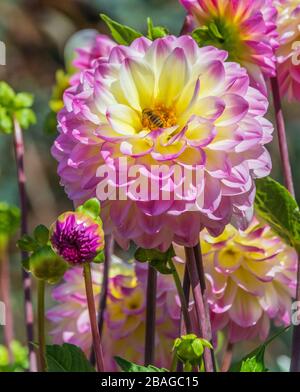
(35, 33)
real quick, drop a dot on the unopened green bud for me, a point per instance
(189, 349)
(46, 265)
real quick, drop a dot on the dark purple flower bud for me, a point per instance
(77, 237)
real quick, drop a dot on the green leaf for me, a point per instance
(275, 205)
(202, 35)
(92, 206)
(9, 219)
(7, 94)
(155, 32)
(17, 106)
(23, 100)
(26, 264)
(254, 361)
(197, 347)
(99, 258)
(215, 31)
(6, 123)
(20, 358)
(20, 354)
(41, 234)
(26, 117)
(27, 243)
(67, 358)
(122, 34)
(131, 367)
(158, 260)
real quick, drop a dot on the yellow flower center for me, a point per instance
(159, 117)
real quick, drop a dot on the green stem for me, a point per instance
(200, 306)
(184, 305)
(174, 362)
(93, 319)
(150, 316)
(41, 324)
(26, 279)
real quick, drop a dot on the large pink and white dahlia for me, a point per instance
(251, 280)
(245, 28)
(288, 53)
(185, 121)
(124, 326)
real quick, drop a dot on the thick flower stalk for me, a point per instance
(245, 28)
(288, 22)
(251, 279)
(125, 314)
(79, 239)
(164, 105)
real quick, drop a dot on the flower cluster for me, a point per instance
(124, 326)
(166, 103)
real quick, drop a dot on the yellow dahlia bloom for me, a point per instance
(251, 278)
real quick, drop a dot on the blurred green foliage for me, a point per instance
(20, 361)
(15, 105)
(9, 219)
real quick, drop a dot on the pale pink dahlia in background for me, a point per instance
(245, 28)
(98, 47)
(251, 279)
(124, 327)
(288, 25)
(165, 105)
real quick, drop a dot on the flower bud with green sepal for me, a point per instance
(77, 236)
(189, 350)
(157, 259)
(43, 262)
